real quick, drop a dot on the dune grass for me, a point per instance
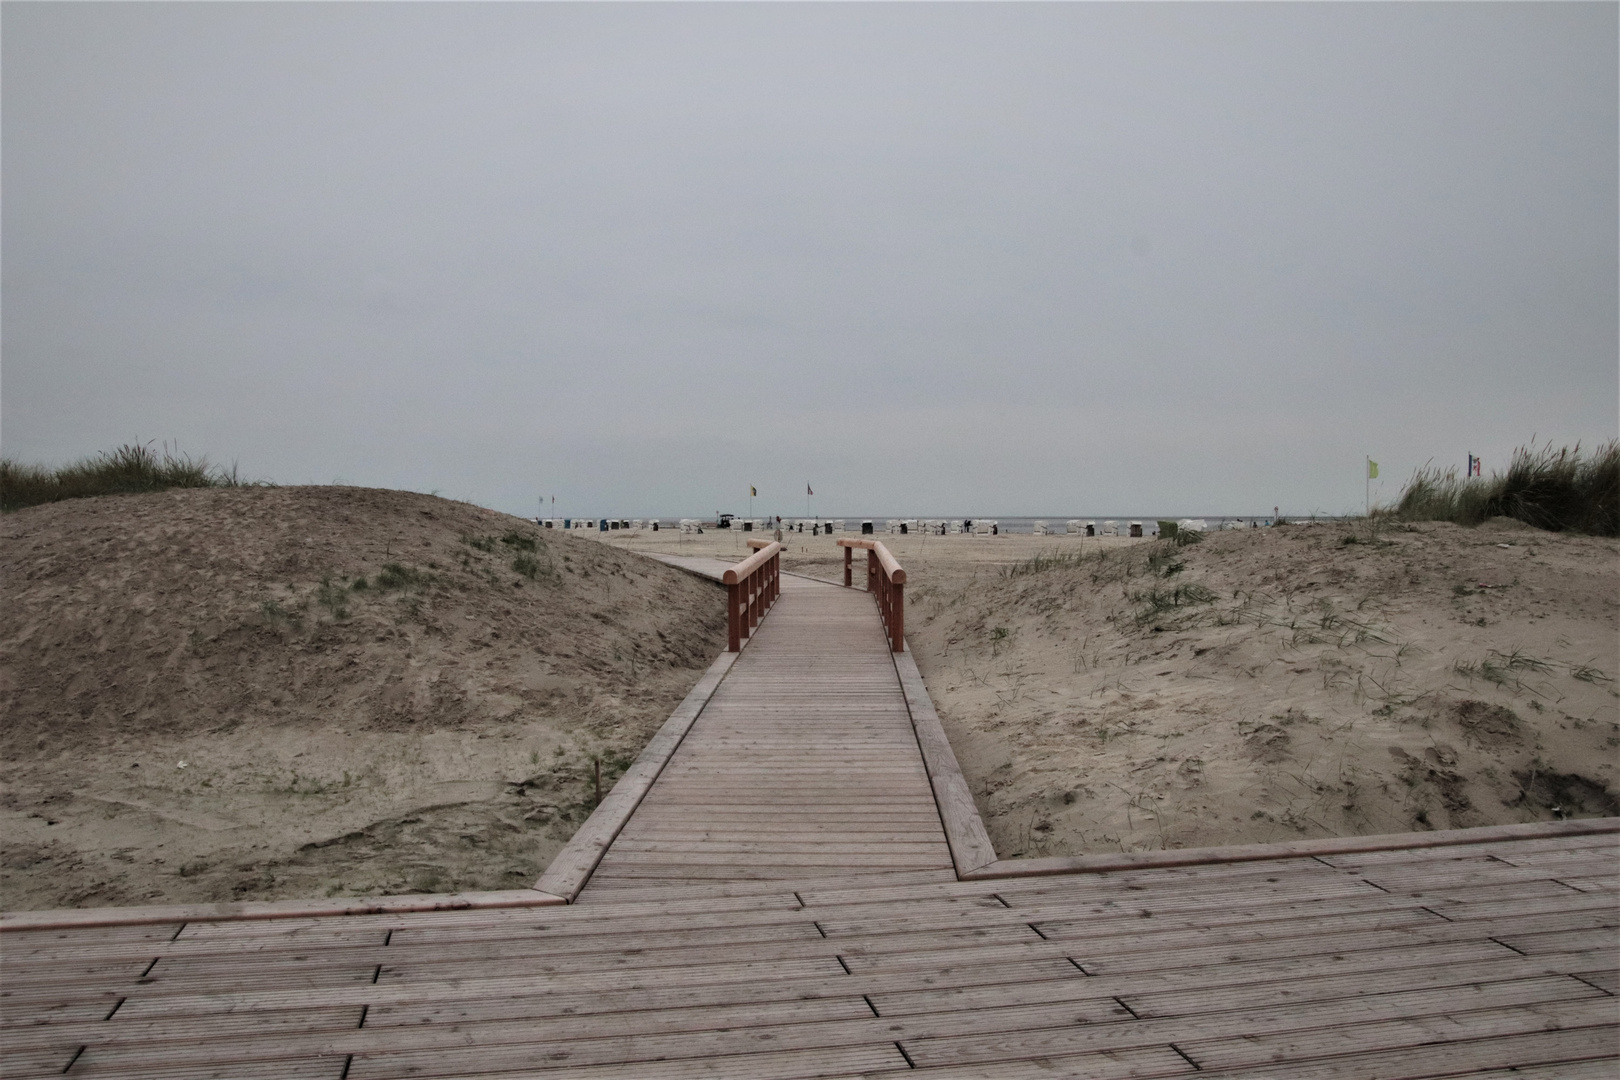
(130, 469)
(1560, 490)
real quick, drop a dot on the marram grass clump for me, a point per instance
(130, 469)
(1559, 490)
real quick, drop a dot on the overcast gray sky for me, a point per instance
(970, 260)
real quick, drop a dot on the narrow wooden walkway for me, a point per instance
(781, 904)
(802, 765)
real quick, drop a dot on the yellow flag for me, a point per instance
(752, 490)
(1372, 469)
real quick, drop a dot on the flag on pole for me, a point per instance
(752, 491)
(1474, 465)
(807, 490)
(1372, 469)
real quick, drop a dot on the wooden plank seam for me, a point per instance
(238, 911)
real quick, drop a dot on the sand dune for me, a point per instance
(202, 702)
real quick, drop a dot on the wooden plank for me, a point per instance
(1246, 1038)
(174, 914)
(281, 1023)
(528, 996)
(95, 1062)
(1538, 944)
(1144, 957)
(1184, 991)
(1455, 1029)
(1483, 873)
(407, 948)
(1579, 1054)
(1525, 848)
(1464, 979)
(528, 1042)
(1092, 864)
(767, 1065)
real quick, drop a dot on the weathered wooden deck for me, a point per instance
(802, 765)
(777, 898)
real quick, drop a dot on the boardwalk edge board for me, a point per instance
(71, 918)
(713, 577)
(1289, 849)
(578, 859)
(969, 841)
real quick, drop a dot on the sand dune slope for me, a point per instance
(276, 692)
(1278, 683)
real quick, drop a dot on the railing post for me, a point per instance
(733, 618)
(753, 601)
(897, 621)
(886, 604)
(871, 570)
(849, 567)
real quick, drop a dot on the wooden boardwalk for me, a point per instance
(778, 900)
(803, 764)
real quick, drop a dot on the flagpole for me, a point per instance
(1366, 481)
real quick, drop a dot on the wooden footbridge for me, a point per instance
(792, 881)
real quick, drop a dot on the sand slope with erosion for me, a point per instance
(294, 692)
(1277, 684)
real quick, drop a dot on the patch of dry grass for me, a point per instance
(130, 469)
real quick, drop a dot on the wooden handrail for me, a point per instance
(752, 586)
(886, 579)
(890, 565)
(736, 573)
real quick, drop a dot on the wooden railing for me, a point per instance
(886, 579)
(752, 586)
